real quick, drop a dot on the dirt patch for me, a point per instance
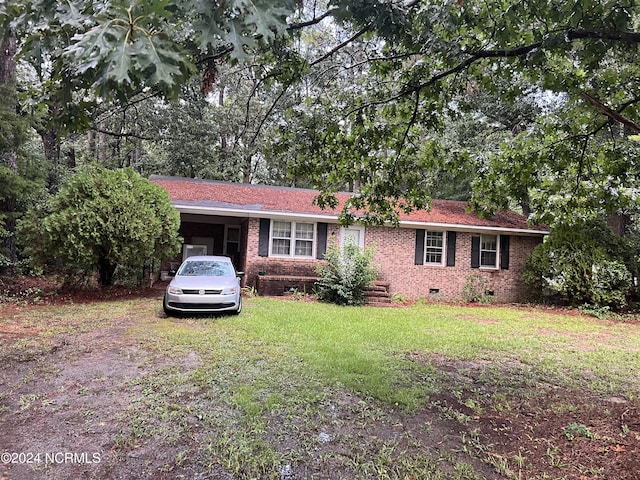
(28, 291)
(540, 429)
(61, 409)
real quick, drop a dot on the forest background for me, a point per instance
(528, 105)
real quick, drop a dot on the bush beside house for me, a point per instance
(346, 274)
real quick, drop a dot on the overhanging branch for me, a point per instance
(122, 134)
(612, 114)
(570, 35)
(340, 46)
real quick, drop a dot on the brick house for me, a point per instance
(277, 236)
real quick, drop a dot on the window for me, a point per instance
(292, 239)
(231, 239)
(433, 248)
(304, 239)
(489, 251)
(193, 250)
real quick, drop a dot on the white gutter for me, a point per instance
(240, 212)
(473, 228)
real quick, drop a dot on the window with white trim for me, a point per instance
(489, 251)
(433, 248)
(292, 239)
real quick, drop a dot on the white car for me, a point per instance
(204, 284)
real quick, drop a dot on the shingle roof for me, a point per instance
(262, 200)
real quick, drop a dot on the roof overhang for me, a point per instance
(332, 218)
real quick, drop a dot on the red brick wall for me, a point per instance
(278, 266)
(395, 255)
(275, 285)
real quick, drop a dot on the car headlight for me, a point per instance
(229, 291)
(175, 291)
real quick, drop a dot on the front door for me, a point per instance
(354, 234)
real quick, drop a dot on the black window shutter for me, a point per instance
(504, 252)
(419, 247)
(263, 237)
(475, 252)
(322, 240)
(451, 249)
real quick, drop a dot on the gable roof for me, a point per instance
(209, 197)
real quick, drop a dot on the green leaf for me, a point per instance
(235, 37)
(70, 14)
(118, 64)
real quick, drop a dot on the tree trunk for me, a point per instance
(619, 223)
(71, 158)
(102, 147)
(246, 172)
(223, 135)
(91, 144)
(9, 96)
(8, 55)
(106, 271)
(51, 146)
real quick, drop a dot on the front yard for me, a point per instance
(302, 390)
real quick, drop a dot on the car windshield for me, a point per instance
(206, 268)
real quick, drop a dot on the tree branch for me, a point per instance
(611, 35)
(335, 49)
(570, 34)
(122, 135)
(474, 57)
(614, 115)
(410, 123)
(313, 21)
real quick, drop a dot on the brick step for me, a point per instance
(378, 301)
(378, 298)
(376, 293)
(379, 285)
(376, 288)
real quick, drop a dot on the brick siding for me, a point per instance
(395, 255)
(278, 266)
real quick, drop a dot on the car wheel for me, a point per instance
(165, 307)
(239, 309)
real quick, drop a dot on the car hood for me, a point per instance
(204, 282)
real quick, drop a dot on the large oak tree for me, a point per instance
(418, 61)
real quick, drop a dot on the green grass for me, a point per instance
(367, 349)
(252, 394)
(283, 359)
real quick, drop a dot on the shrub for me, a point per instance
(583, 263)
(611, 283)
(101, 220)
(347, 273)
(475, 289)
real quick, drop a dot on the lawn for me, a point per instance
(302, 390)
